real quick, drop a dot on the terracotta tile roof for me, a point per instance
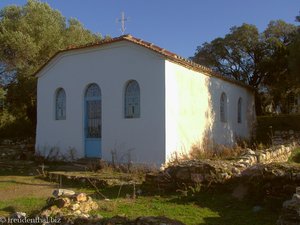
(167, 54)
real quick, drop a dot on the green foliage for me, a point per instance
(294, 60)
(29, 36)
(28, 204)
(295, 156)
(258, 59)
(2, 99)
(266, 125)
(277, 77)
(236, 55)
(15, 128)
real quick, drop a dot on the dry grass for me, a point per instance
(217, 152)
(207, 149)
(20, 186)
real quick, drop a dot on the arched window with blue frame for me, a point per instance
(60, 104)
(239, 111)
(132, 100)
(223, 108)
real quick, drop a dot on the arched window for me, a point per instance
(132, 100)
(239, 111)
(60, 104)
(93, 91)
(223, 108)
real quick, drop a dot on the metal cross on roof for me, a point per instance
(122, 21)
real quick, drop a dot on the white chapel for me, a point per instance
(132, 99)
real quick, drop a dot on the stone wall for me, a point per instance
(208, 172)
(279, 153)
(190, 173)
(285, 137)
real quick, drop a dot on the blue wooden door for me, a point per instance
(92, 104)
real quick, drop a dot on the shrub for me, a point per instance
(15, 128)
(216, 152)
(266, 125)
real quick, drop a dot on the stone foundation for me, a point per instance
(279, 153)
(208, 172)
(286, 137)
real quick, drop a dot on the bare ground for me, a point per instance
(13, 187)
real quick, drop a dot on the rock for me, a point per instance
(82, 197)
(290, 211)
(235, 170)
(240, 192)
(296, 197)
(85, 207)
(84, 215)
(298, 190)
(46, 213)
(250, 151)
(77, 212)
(183, 174)
(62, 202)
(116, 220)
(159, 220)
(63, 192)
(94, 206)
(18, 215)
(75, 207)
(197, 178)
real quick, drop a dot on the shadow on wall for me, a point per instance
(222, 116)
(121, 153)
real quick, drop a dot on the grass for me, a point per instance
(20, 191)
(202, 208)
(188, 213)
(23, 204)
(208, 208)
(5, 185)
(295, 156)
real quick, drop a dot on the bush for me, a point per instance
(266, 125)
(16, 129)
(216, 152)
(295, 156)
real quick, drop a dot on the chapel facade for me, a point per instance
(125, 99)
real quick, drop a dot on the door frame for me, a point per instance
(86, 140)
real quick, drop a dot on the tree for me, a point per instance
(29, 36)
(257, 59)
(236, 56)
(294, 60)
(278, 79)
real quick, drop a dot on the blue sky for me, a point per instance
(177, 25)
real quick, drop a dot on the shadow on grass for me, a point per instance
(9, 209)
(232, 211)
(25, 183)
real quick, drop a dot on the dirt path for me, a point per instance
(13, 187)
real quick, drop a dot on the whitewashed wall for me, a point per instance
(110, 67)
(193, 110)
(178, 105)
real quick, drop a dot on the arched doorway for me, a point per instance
(92, 117)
